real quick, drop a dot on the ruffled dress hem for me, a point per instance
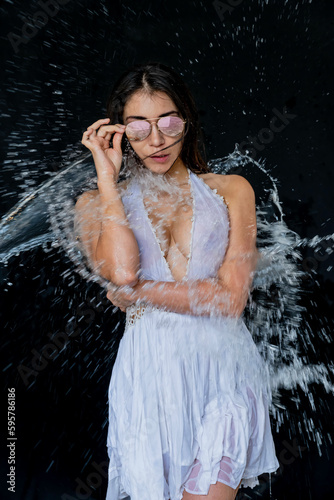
(250, 481)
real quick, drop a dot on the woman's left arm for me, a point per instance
(225, 295)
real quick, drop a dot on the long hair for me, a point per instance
(156, 77)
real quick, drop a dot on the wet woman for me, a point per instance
(188, 395)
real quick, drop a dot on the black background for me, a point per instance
(241, 65)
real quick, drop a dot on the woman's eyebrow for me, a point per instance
(144, 117)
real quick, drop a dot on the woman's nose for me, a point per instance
(156, 137)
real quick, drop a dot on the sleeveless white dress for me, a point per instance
(188, 395)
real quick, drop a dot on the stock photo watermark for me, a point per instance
(266, 135)
(93, 481)
(227, 7)
(98, 473)
(11, 439)
(35, 22)
(321, 254)
(288, 455)
(41, 358)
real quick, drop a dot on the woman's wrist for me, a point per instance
(107, 171)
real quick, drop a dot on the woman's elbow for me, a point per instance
(124, 279)
(235, 302)
(235, 308)
(238, 307)
(119, 277)
(119, 274)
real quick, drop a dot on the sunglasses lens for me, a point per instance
(137, 130)
(140, 129)
(171, 125)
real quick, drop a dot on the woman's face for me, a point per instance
(142, 105)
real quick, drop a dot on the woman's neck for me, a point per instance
(178, 172)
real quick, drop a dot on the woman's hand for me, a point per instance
(122, 297)
(107, 159)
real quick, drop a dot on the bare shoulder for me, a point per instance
(231, 187)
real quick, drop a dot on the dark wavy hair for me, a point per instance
(156, 77)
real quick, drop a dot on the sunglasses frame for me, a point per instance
(150, 130)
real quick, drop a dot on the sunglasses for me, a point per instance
(139, 130)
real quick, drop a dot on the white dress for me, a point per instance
(188, 395)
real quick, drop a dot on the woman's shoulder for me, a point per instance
(229, 185)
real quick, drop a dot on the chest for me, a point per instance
(171, 221)
(179, 240)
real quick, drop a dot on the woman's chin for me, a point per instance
(157, 167)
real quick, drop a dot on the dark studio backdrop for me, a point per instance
(245, 63)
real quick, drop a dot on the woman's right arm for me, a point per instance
(100, 218)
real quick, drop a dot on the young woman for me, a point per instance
(188, 396)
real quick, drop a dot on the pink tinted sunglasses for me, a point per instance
(139, 130)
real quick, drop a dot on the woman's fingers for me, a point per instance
(117, 303)
(86, 135)
(121, 297)
(102, 129)
(98, 123)
(105, 132)
(97, 138)
(117, 141)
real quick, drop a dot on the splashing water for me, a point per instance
(275, 316)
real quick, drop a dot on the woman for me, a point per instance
(188, 396)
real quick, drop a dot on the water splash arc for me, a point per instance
(274, 315)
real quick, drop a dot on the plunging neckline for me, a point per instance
(153, 231)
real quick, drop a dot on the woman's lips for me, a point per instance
(160, 158)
